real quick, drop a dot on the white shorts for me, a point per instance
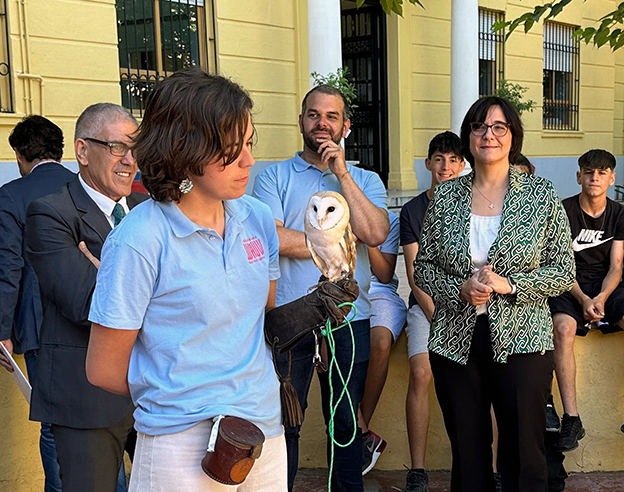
(172, 463)
(417, 331)
(388, 310)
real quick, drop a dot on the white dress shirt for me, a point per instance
(105, 204)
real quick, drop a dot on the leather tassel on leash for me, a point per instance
(292, 415)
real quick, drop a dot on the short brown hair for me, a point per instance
(191, 119)
(329, 90)
(478, 112)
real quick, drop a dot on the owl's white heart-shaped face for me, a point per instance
(324, 212)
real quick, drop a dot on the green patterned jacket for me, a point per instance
(533, 247)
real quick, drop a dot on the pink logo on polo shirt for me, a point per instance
(254, 249)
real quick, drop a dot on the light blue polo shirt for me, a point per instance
(390, 245)
(199, 303)
(286, 188)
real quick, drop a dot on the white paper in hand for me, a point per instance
(18, 375)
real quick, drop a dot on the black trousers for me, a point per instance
(518, 390)
(90, 459)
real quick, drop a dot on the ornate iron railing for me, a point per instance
(157, 38)
(561, 77)
(491, 52)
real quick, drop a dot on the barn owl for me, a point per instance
(328, 235)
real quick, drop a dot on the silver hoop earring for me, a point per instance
(185, 186)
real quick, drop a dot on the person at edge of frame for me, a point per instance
(387, 320)
(597, 298)
(38, 146)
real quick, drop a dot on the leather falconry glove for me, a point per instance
(287, 325)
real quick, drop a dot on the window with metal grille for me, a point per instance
(157, 38)
(491, 52)
(6, 84)
(561, 77)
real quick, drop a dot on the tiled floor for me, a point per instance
(315, 480)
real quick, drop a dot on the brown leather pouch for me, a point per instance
(237, 446)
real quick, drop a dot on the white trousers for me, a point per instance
(172, 463)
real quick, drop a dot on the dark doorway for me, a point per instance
(364, 54)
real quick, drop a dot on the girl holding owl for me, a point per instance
(186, 339)
(495, 245)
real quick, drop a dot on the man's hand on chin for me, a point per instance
(333, 155)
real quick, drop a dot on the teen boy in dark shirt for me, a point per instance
(597, 225)
(444, 161)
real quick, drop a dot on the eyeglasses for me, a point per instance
(479, 129)
(118, 149)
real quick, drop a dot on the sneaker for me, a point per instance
(416, 481)
(498, 482)
(553, 424)
(571, 432)
(372, 447)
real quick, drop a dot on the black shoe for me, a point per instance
(417, 481)
(498, 482)
(372, 447)
(571, 432)
(553, 424)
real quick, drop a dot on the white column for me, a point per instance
(324, 39)
(464, 59)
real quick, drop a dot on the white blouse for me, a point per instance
(483, 232)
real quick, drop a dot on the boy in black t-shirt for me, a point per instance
(445, 161)
(597, 298)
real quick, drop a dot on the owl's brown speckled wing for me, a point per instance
(349, 248)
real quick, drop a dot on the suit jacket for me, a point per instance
(55, 225)
(533, 248)
(20, 313)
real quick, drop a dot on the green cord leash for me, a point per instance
(328, 333)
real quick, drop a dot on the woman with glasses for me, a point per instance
(185, 279)
(495, 245)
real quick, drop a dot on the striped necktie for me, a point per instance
(118, 213)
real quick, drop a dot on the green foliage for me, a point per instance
(514, 93)
(390, 6)
(340, 81)
(551, 9)
(606, 32)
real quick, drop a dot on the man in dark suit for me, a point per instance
(38, 146)
(90, 426)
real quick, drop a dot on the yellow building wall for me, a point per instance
(431, 73)
(76, 62)
(618, 107)
(263, 46)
